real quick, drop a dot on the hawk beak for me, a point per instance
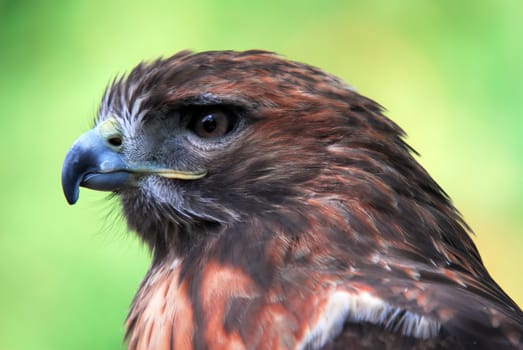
(97, 163)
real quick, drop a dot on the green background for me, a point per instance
(449, 72)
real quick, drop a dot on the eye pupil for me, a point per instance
(209, 123)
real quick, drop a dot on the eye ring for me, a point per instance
(211, 123)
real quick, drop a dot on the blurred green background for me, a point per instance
(450, 73)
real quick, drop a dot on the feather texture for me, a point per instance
(314, 228)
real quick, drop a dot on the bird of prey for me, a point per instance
(283, 211)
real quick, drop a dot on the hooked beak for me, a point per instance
(94, 162)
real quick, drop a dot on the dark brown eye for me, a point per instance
(211, 123)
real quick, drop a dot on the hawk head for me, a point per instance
(276, 197)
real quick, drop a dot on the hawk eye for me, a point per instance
(211, 123)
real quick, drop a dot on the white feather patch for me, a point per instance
(348, 307)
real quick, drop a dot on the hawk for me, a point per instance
(283, 210)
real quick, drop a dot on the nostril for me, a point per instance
(115, 141)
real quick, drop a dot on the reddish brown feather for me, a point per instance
(161, 317)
